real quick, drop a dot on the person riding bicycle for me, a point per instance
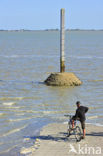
(80, 115)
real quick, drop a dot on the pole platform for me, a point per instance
(62, 79)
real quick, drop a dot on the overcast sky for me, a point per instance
(45, 14)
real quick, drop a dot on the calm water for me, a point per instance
(26, 104)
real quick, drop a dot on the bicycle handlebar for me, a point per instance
(66, 115)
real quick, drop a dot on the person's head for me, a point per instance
(78, 103)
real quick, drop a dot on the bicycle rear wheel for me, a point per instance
(78, 133)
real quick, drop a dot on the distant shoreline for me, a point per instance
(25, 30)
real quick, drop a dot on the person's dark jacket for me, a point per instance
(80, 113)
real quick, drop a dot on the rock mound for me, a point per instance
(62, 79)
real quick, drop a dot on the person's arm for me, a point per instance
(86, 109)
(76, 115)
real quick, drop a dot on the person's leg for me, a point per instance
(83, 128)
(72, 124)
(84, 133)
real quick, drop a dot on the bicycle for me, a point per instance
(76, 129)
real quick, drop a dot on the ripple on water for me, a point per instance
(2, 114)
(11, 98)
(13, 131)
(95, 80)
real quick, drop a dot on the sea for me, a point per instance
(26, 104)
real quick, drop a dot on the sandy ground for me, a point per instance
(53, 142)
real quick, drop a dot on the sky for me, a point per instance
(45, 14)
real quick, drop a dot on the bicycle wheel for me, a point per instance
(78, 133)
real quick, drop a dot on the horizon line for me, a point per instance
(51, 29)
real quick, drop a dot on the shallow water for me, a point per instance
(26, 104)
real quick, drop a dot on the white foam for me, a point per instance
(13, 108)
(27, 150)
(9, 103)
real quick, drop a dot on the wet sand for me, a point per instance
(53, 142)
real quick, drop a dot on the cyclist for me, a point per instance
(80, 115)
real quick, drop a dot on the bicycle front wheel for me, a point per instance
(69, 128)
(78, 133)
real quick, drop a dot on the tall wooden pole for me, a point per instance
(62, 36)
